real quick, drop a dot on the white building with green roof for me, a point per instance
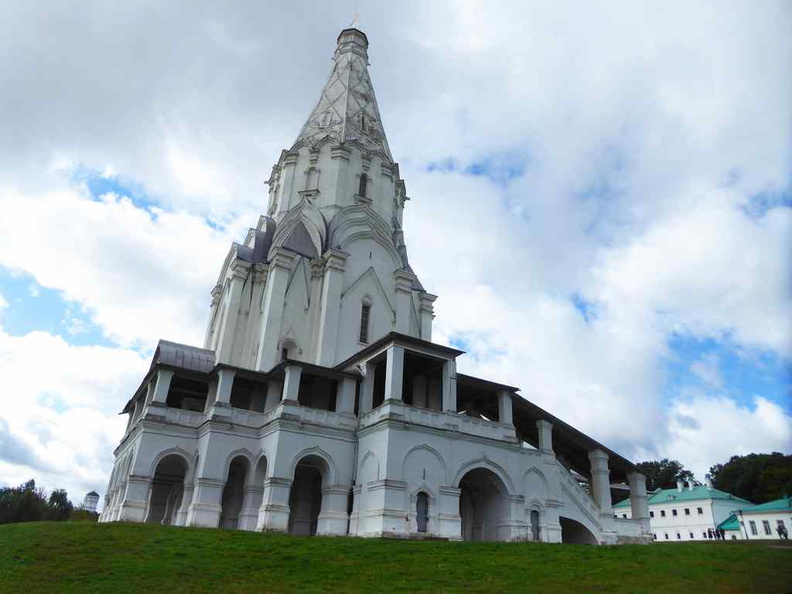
(686, 513)
(759, 522)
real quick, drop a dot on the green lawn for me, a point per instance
(87, 557)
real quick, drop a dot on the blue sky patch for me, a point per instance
(500, 169)
(98, 183)
(587, 309)
(33, 307)
(722, 367)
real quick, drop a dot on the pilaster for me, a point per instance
(449, 518)
(272, 316)
(333, 517)
(239, 272)
(403, 282)
(427, 315)
(274, 511)
(335, 263)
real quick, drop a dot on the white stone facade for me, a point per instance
(319, 404)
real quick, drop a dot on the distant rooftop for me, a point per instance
(698, 493)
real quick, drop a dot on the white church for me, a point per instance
(319, 403)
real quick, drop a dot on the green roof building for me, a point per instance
(689, 512)
(766, 521)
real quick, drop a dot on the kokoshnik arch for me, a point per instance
(318, 403)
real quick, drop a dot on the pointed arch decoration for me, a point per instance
(370, 273)
(360, 221)
(314, 229)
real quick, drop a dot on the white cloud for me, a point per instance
(140, 274)
(59, 409)
(706, 429)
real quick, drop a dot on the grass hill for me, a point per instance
(88, 557)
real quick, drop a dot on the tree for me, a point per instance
(59, 507)
(664, 474)
(27, 503)
(756, 477)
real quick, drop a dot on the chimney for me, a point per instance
(680, 487)
(708, 481)
(691, 485)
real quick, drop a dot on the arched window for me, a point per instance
(363, 184)
(535, 528)
(422, 511)
(365, 314)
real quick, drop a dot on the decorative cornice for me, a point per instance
(281, 258)
(335, 259)
(339, 151)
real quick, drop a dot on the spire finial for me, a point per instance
(355, 21)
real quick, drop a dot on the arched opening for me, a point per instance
(167, 489)
(305, 499)
(536, 531)
(573, 532)
(422, 511)
(234, 493)
(483, 504)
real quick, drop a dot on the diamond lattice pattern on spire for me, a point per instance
(347, 108)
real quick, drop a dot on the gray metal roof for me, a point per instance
(184, 356)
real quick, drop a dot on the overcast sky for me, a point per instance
(601, 196)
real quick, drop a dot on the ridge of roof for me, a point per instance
(699, 493)
(783, 504)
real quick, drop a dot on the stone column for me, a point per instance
(163, 381)
(274, 512)
(225, 343)
(505, 408)
(333, 518)
(274, 394)
(135, 499)
(449, 386)
(394, 373)
(272, 316)
(427, 315)
(449, 518)
(225, 383)
(600, 482)
(345, 397)
(545, 431)
(335, 263)
(385, 511)
(367, 390)
(638, 500)
(291, 383)
(206, 507)
(403, 281)
(251, 503)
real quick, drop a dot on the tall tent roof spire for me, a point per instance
(347, 108)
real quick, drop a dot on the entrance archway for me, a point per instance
(167, 490)
(483, 505)
(234, 493)
(573, 532)
(305, 498)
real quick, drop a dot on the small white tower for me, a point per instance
(91, 501)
